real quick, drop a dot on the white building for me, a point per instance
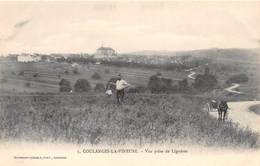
(103, 52)
(28, 58)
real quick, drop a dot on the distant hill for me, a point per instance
(153, 53)
(215, 53)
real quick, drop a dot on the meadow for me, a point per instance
(49, 75)
(97, 119)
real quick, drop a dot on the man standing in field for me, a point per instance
(120, 89)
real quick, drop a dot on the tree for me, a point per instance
(183, 85)
(158, 84)
(27, 84)
(107, 71)
(96, 76)
(82, 85)
(205, 82)
(65, 85)
(75, 71)
(99, 87)
(239, 78)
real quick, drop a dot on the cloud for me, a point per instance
(16, 30)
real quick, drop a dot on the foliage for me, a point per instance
(82, 85)
(21, 73)
(66, 72)
(4, 80)
(65, 85)
(76, 71)
(159, 84)
(183, 85)
(205, 81)
(96, 76)
(107, 71)
(239, 78)
(27, 84)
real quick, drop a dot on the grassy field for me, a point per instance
(48, 75)
(96, 119)
(15, 77)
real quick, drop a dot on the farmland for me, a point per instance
(45, 76)
(49, 75)
(33, 109)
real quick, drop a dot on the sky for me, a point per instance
(82, 27)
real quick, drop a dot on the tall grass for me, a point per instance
(96, 119)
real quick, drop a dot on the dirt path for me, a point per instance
(239, 112)
(191, 75)
(231, 89)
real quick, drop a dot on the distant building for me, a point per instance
(28, 58)
(103, 52)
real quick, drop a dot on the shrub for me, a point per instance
(99, 87)
(28, 84)
(205, 82)
(107, 71)
(3, 80)
(21, 73)
(239, 78)
(65, 86)
(75, 71)
(82, 85)
(96, 76)
(183, 85)
(66, 72)
(36, 75)
(158, 84)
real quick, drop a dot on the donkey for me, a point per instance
(222, 111)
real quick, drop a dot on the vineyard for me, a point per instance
(96, 119)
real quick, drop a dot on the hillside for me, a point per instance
(248, 55)
(96, 119)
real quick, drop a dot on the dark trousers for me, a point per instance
(120, 95)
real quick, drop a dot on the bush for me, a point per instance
(21, 73)
(75, 71)
(205, 82)
(3, 80)
(158, 84)
(239, 78)
(107, 71)
(66, 72)
(99, 87)
(65, 86)
(36, 75)
(82, 85)
(138, 89)
(96, 76)
(28, 84)
(183, 85)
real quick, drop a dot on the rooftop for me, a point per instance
(105, 48)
